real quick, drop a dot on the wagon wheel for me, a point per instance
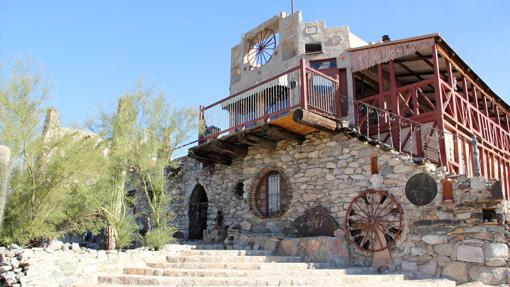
(261, 48)
(374, 220)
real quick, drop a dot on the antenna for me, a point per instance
(291, 7)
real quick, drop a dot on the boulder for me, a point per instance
(488, 275)
(456, 271)
(434, 239)
(418, 251)
(315, 222)
(446, 249)
(245, 225)
(408, 266)
(54, 245)
(75, 246)
(428, 268)
(496, 250)
(469, 253)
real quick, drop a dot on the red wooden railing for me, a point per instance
(299, 87)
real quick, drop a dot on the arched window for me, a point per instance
(270, 196)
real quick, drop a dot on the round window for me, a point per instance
(270, 196)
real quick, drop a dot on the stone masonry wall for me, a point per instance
(329, 171)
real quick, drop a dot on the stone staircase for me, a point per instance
(192, 265)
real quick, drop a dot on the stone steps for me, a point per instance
(260, 280)
(359, 274)
(231, 259)
(192, 266)
(240, 266)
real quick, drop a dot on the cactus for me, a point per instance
(4, 176)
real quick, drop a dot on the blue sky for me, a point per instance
(91, 52)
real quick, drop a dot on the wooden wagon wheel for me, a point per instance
(261, 48)
(374, 220)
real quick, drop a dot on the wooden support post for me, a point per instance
(314, 120)
(439, 105)
(395, 107)
(281, 133)
(380, 79)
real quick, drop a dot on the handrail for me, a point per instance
(251, 87)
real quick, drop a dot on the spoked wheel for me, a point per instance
(374, 220)
(261, 48)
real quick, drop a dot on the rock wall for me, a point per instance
(439, 239)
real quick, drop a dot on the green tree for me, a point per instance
(50, 171)
(156, 131)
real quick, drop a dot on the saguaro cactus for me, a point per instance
(5, 154)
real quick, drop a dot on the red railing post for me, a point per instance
(304, 84)
(439, 104)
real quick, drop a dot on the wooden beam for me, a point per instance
(228, 148)
(281, 133)
(314, 120)
(253, 140)
(210, 157)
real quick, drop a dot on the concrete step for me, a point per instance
(240, 266)
(179, 272)
(197, 252)
(231, 259)
(399, 283)
(261, 280)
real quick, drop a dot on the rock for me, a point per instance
(470, 254)
(428, 268)
(496, 250)
(245, 225)
(315, 222)
(54, 245)
(339, 233)
(417, 251)
(434, 239)
(447, 249)
(66, 247)
(408, 266)
(495, 262)
(5, 268)
(75, 246)
(14, 263)
(339, 247)
(289, 247)
(311, 246)
(488, 275)
(271, 244)
(456, 271)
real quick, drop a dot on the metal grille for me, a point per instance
(273, 190)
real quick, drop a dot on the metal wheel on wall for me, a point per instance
(262, 47)
(374, 220)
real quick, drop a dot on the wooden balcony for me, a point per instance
(286, 107)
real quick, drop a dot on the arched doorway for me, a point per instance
(197, 213)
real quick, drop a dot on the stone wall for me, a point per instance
(329, 171)
(64, 264)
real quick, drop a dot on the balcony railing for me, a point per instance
(299, 87)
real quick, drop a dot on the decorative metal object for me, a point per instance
(262, 47)
(374, 220)
(421, 189)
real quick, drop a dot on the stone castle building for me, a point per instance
(389, 154)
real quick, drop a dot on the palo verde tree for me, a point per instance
(50, 170)
(159, 129)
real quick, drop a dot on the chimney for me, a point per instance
(385, 38)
